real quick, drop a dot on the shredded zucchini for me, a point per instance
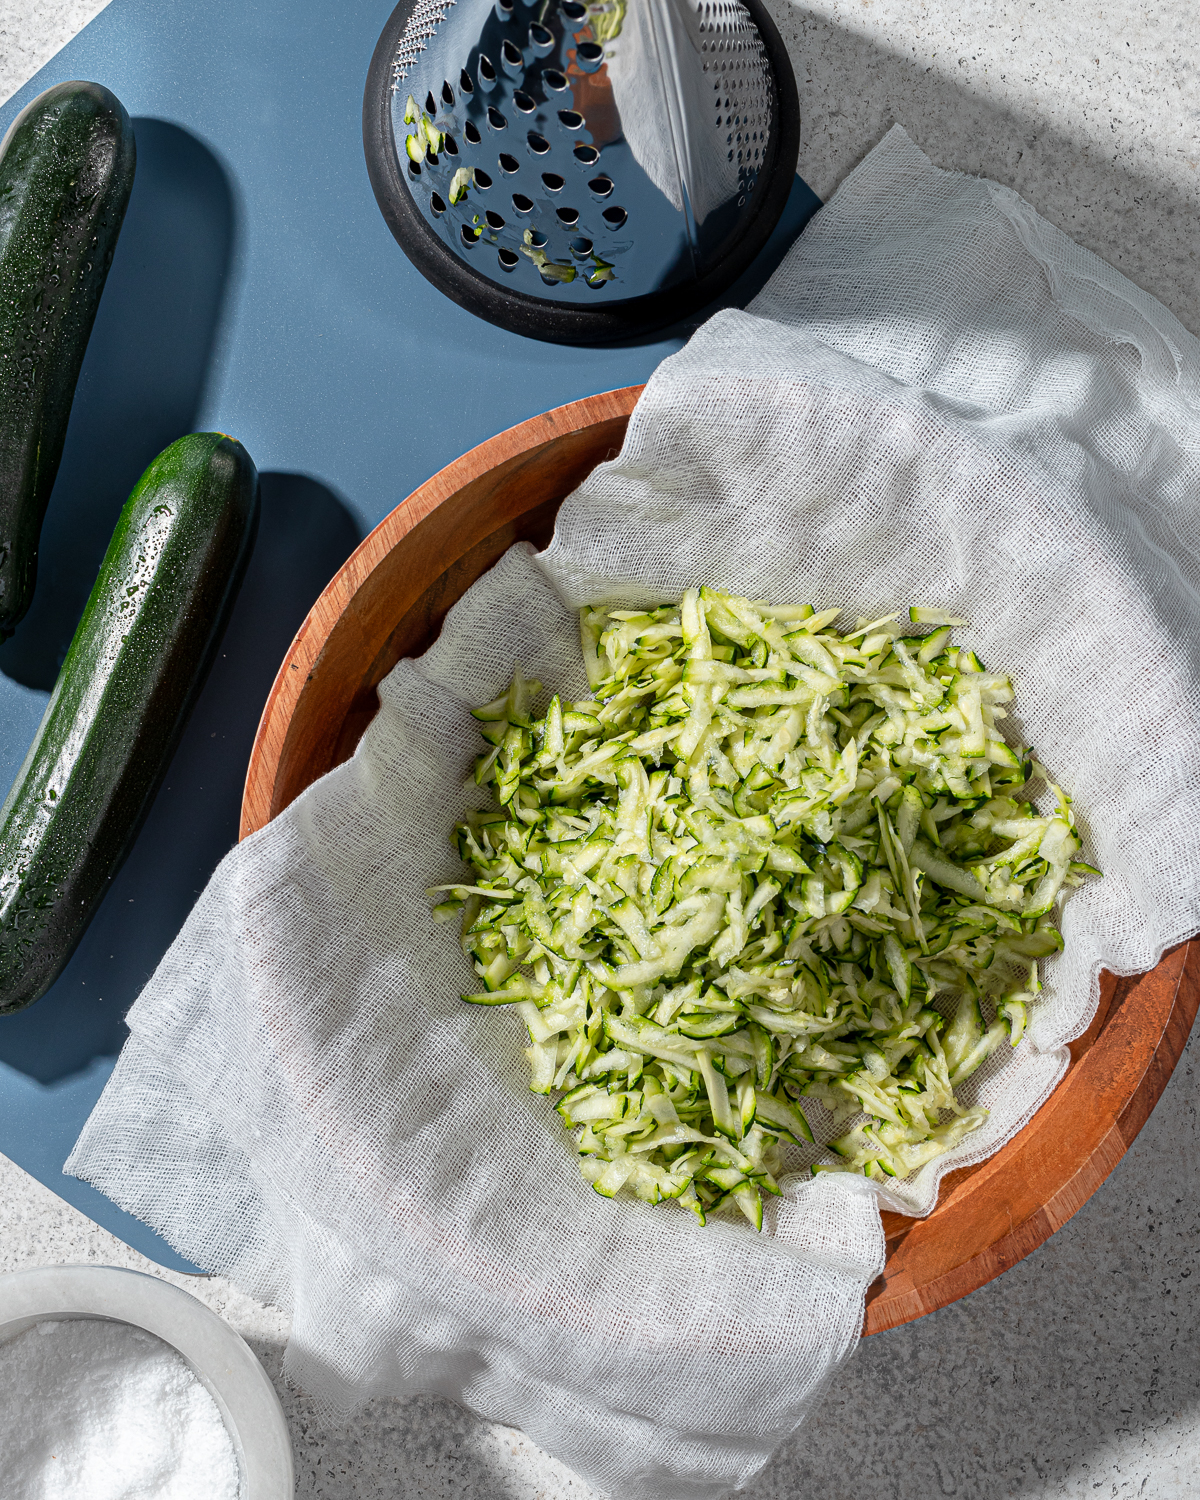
(425, 137)
(738, 875)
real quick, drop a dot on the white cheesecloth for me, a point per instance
(938, 399)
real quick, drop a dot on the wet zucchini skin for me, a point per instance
(66, 170)
(141, 653)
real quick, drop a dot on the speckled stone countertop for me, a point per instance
(1077, 1373)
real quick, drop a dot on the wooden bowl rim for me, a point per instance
(310, 640)
(1119, 1067)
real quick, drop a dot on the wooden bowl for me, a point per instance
(389, 600)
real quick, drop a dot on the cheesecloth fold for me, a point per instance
(938, 399)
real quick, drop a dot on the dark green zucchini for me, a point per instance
(142, 650)
(66, 169)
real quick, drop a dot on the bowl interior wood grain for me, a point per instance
(389, 601)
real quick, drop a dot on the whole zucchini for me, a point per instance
(142, 650)
(66, 169)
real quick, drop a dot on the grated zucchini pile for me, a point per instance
(737, 876)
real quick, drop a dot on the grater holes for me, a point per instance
(430, 105)
(589, 56)
(503, 9)
(741, 104)
(425, 18)
(742, 87)
(483, 179)
(537, 239)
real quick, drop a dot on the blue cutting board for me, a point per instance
(256, 290)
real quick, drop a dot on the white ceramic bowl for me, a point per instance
(220, 1357)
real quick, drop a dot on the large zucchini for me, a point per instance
(66, 169)
(131, 675)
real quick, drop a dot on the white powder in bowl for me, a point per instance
(91, 1410)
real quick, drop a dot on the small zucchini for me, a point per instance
(66, 170)
(139, 657)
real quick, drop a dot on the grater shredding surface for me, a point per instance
(582, 155)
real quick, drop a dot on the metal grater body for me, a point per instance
(607, 150)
